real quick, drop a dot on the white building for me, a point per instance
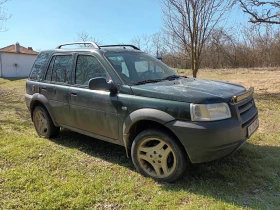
(16, 61)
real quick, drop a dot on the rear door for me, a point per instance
(93, 111)
(56, 86)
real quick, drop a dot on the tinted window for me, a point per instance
(50, 69)
(88, 67)
(39, 65)
(61, 68)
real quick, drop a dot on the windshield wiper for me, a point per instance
(146, 81)
(171, 77)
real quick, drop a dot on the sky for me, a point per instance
(44, 24)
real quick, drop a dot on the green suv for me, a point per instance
(122, 95)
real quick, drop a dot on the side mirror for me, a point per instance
(100, 83)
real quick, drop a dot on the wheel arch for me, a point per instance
(40, 100)
(143, 119)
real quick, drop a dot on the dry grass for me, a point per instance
(77, 172)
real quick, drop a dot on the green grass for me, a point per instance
(74, 171)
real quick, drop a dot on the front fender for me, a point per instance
(146, 114)
(143, 114)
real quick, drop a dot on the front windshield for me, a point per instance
(138, 68)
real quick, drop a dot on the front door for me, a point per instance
(93, 111)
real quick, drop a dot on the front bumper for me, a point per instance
(206, 141)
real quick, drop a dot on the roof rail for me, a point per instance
(94, 45)
(121, 45)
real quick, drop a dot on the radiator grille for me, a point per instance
(247, 111)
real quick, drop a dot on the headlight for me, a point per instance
(210, 112)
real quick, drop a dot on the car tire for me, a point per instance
(156, 154)
(43, 123)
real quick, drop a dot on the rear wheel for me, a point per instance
(43, 123)
(156, 154)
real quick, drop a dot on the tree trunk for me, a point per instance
(194, 65)
(195, 70)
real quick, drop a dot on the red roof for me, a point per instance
(22, 50)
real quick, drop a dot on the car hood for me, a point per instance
(190, 90)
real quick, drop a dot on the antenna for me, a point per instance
(112, 38)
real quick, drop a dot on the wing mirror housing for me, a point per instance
(100, 83)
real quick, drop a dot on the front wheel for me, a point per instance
(43, 123)
(156, 154)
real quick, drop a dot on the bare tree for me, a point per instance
(85, 37)
(154, 44)
(191, 22)
(249, 46)
(220, 49)
(159, 42)
(262, 11)
(3, 15)
(144, 42)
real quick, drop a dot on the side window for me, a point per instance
(61, 71)
(39, 65)
(88, 67)
(50, 70)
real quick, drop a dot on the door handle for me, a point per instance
(74, 93)
(44, 88)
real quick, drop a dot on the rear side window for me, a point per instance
(50, 70)
(88, 67)
(60, 68)
(39, 65)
